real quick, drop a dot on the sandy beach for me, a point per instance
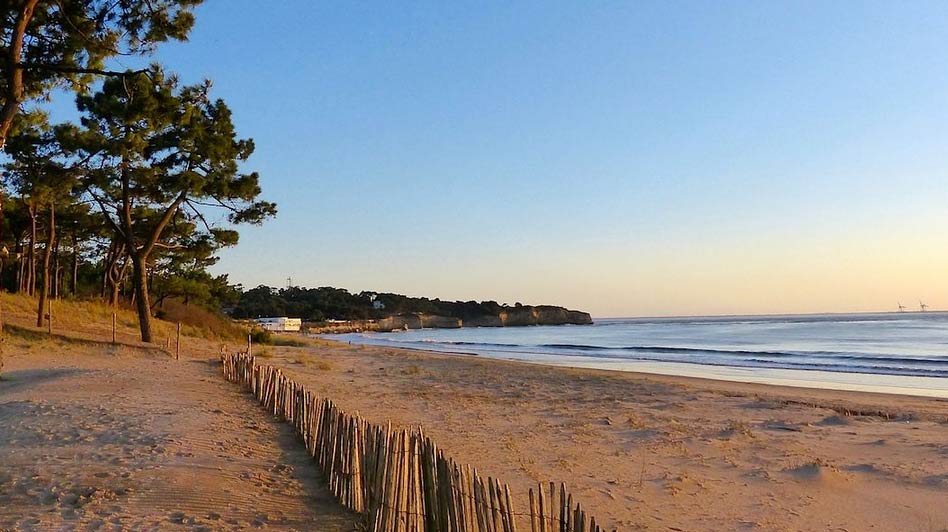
(650, 452)
(527, 267)
(101, 437)
(124, 437)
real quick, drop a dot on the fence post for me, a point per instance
(177, 344)
(113, 328)
(397, 478)
(49, 314)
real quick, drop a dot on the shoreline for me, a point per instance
(860, 401)
(881, 383)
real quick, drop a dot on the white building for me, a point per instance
(280, 324)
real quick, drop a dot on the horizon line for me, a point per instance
(770, 314)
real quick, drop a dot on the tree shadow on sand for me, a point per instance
(295, 463)
(22, 378)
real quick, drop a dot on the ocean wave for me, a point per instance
(837, 362)
(842, 355)
(614, 352)
(895, 344)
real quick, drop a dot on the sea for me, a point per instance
(902, 353)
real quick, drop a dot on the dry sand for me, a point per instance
(95, 437)
(649, 452)
(123, 438)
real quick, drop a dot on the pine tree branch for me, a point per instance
(81, 70)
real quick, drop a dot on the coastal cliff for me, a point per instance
(521, 316)
(416, 321)
(543, 315)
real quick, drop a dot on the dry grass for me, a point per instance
(283, 341)
(314, 363)
(201, 322)
(324, 365)
(93, 319)
(735, 426)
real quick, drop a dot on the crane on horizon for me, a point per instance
(901, 307)
(922, 306)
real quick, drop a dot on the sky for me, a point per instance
(624, 158)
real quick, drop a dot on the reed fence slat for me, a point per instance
(399, 480)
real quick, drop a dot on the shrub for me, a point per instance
(283, 341)
(204, 322)
(260, 336)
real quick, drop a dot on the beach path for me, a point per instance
(111, 438)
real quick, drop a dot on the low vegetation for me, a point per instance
(318, 304)
(93, 319)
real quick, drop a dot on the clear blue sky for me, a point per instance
(627, 158)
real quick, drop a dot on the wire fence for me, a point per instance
(398, 479)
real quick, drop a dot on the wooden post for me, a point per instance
(49, 315)
(398, 478)
(113, 328)
(177, 344)
(533, 511)
(510, 513)
(564, 509)
(249, 344)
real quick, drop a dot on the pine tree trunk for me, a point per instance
(47, 278)
(30, 287)
(107, 282)
(114, 295)
(57, 271)
(75, 267)
(117, 281)
(140, 282)
(20, 272)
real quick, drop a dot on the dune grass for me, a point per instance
(93, 318)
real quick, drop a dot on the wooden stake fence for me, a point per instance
(398, 479)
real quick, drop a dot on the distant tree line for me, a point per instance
(131, 202)
(319, 304)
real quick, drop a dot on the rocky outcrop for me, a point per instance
(520, 316)
(406, 321)
(547, 315)
(417, 321)
(483, 321)
(439, 322)
(543, 315)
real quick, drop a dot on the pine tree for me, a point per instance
(45, 43)
(155, 156)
